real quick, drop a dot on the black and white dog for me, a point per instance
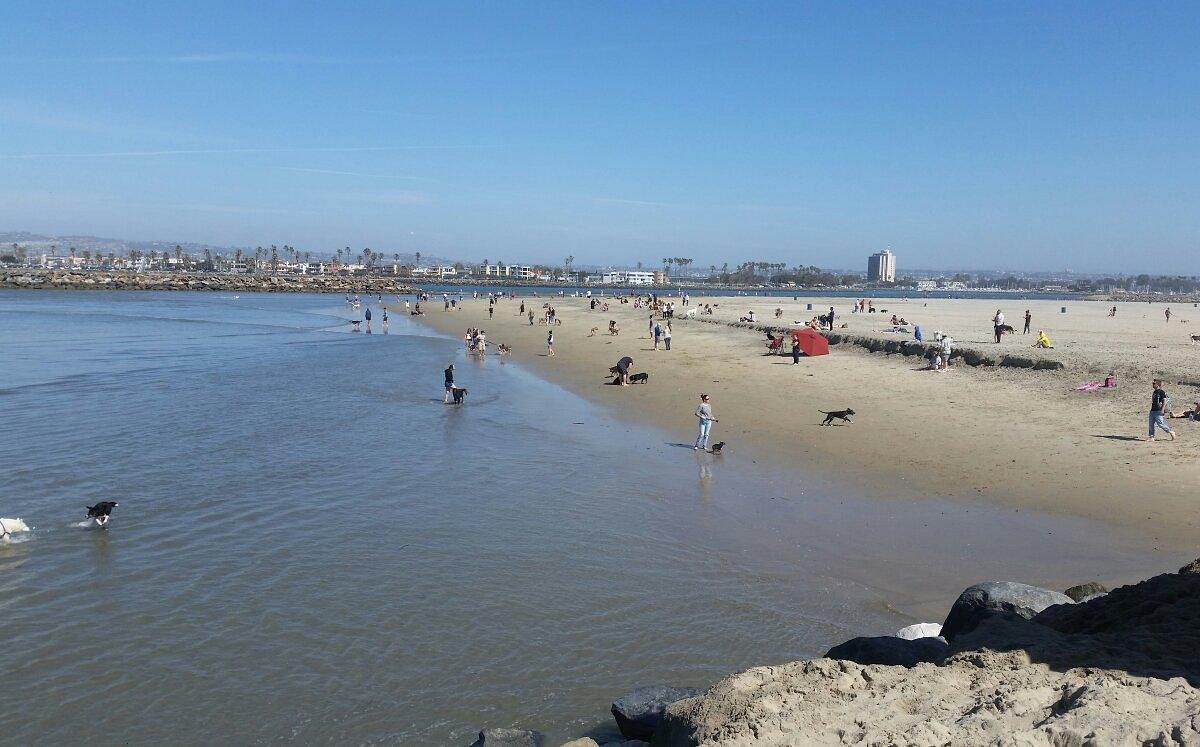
(101, 512)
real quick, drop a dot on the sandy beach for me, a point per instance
(1013, 437)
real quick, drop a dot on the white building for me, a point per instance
(628, 277)
(881, 267)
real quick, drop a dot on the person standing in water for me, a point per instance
(449, 383)
(367, 316)
(704, 414)
(385, 323)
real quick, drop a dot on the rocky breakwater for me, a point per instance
(160, 281)
(1015, 665)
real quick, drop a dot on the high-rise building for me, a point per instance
(881, 267)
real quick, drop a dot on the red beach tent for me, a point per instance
(812, 342)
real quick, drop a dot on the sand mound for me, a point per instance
(1114, 670)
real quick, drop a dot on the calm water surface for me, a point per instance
(311, 547)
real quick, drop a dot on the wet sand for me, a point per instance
(1013, 437)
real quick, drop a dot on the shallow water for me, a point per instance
(311, 547)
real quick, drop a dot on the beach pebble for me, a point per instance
(638, 712)
(889, 650)
(584, 742)
(509, 738)
(995, 597)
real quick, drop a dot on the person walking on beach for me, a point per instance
(1168, 313)
(531, 317)
(449, 383)
(550, 344)
(667, 335)
(1158, 409)
(704, 414)
(1028, 319)
(997, 322)
(831, 317)
(656, 330)
(491, 310)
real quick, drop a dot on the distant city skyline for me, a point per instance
(1037, 137)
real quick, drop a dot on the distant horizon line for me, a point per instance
(8, 236)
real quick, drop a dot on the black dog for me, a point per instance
(639, 378)
(458, 393)
(1005, 329)
(840, 415)
(716, 448)
(101, 511)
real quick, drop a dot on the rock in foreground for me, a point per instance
(1118, 669)
(509, 738)
(990, 598)
(639, 711)
(890, 650)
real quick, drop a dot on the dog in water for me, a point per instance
(11, 526)
(837, 415)
(716, 448)
(101, 512)
(458, 393)
(639, 378)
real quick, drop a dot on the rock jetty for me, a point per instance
(1033, 669)
(162, 281)
(1022, 666)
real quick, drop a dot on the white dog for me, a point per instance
(12, 526)
(690, 313)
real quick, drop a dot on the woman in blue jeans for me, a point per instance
(704, 414)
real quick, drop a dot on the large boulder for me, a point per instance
(889, 650)
(639, 711)
(1080, 592)
(994, 598)
(509, 738)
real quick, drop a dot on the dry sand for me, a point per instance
(1017, 437)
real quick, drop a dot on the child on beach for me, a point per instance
(550, 344)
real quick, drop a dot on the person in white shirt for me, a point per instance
(997, 323)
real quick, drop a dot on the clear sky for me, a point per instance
(984, 135)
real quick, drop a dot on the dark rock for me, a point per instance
(889, 650)
(509, 738)
(1081, 592)
(1017, 361)
(1045, 365)
(639, 711)
(995, 597)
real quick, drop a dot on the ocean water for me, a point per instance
(311, 547)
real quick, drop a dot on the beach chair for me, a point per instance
(775, 346)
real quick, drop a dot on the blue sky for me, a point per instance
(1001, 135)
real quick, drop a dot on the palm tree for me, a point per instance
(417, 257)
(567, 261)
(667, 266)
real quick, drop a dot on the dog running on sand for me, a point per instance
(837, 415)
